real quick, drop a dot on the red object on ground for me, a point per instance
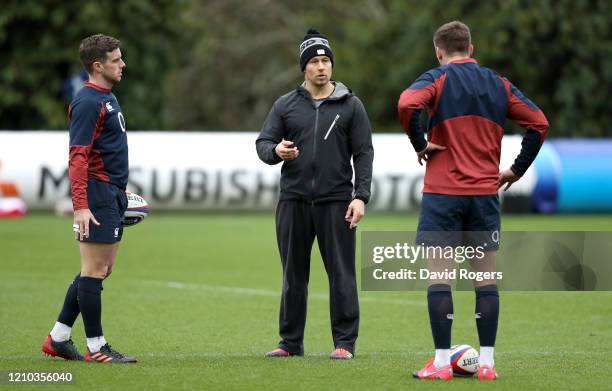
(12, 207)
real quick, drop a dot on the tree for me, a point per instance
(39, 44)
(220, 64)
(242, 55)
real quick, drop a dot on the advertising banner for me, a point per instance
(210, 171)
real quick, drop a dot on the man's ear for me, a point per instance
(97, 66)
(470, 50)
(439, 53)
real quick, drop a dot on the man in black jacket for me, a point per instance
(315, 130)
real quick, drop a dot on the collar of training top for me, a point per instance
(463, 61)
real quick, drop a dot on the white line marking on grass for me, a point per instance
(368, 299)
(270, 293)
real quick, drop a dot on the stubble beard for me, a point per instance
(321, 82)
(111, 80)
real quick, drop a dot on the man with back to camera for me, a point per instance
(98, 168)
(467, 106)
(315, 130)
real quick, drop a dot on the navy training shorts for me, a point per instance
(458, 220)
(108, 203)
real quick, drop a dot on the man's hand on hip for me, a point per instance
(355, 212)
(81, 222)
(286, 150)
(428, 151)
(507, 177)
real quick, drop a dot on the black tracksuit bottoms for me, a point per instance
(297, 224)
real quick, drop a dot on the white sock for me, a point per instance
(486, 356)
(442, 358)
(94, 344)
(60, 332)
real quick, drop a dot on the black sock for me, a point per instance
(440, 304)
(70, 310)
(90, 303)
(487, 314)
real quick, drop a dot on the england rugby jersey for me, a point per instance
(98, 142)
(467, 106)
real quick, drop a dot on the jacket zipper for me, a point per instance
(331, 126)
(314, 152)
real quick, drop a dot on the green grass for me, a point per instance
(195, 298)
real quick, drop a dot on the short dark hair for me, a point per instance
(95, 47)
(453, 37)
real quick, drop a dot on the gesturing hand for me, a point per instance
(507, 177)
(286, 151)
(428, 151)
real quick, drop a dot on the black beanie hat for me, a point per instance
(314, 44)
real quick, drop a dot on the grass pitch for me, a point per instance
(195, 298)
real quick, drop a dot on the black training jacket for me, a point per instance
(327, 137)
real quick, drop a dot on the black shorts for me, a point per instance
(108, 203)
(456, 220)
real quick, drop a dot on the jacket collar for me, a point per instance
(340, 91)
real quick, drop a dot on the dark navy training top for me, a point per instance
(468, 106)
(98, 142)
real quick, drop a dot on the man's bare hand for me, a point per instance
(286, 150)
(430, 149)
(355, 212)
(507, 177)
(82, 217)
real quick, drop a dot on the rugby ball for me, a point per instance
(464, 360)
(137, 209)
